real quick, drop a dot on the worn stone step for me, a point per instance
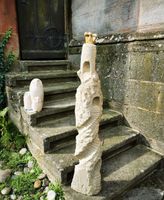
(59, 112)
(43, 65)
(121, 173)
(54, 91)
(60, 165)
(56, 103)
(55, 135)
(22, 79)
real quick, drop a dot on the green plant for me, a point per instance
(23, 184)
(9, 134)
(16, 160)
(58, 189)
(3, 121)
(5, 63)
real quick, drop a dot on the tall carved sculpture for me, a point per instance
(88, 111)
(33, 99)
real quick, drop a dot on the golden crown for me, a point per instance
(90, 37)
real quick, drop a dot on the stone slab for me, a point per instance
(54, 135)
(47, 114)
(44, 65)
(149, 123)
(147, 66)
(145, 94)
(121, 173)
(23, 78)
(60, 165)
(53, 91)
(144, 193)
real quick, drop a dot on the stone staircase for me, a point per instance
(51, 132)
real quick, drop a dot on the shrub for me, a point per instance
(5, 63)
(10, 137)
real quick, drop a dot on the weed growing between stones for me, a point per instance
(20, 176)
(58, 189)
(9, 134)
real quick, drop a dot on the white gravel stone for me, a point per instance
(5, 190)
(4, 174)
(26, 170)
(46, 189)
(20, 198)
(17, 173)
(30, 164)
(23, 151)
(51, 195)
(13, 196)
(42, 176)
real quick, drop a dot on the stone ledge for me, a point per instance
(122, 37)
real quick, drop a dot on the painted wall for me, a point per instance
(8, 20)
(111, 16)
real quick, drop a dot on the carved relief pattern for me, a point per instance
(88, 111)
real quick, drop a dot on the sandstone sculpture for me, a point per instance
(88, 111)
(33, 99)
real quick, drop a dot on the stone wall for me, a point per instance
(131, 68)
(8, 20)
(111, 16)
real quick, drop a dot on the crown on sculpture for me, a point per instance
(90, 37)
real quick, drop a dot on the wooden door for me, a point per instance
(41, 29)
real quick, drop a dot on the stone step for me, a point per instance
(21, 79)
(56, 103)
(43, 65)
(59, 112)
(121, 173)
(60, 165)
(53, 136)
(54, 91)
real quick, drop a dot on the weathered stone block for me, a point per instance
(144, 94)
(75, 61)
(147, 122)
(141, 66)
(146, 66)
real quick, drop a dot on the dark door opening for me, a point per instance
(41, 29)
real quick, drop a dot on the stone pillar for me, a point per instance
(88, 111)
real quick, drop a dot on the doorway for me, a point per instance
(41, 29)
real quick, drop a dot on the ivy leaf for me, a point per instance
(4, 112)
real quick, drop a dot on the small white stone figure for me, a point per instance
(33, 99)
(27, 101)
(88, 111)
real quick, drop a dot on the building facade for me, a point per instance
(130, 45)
